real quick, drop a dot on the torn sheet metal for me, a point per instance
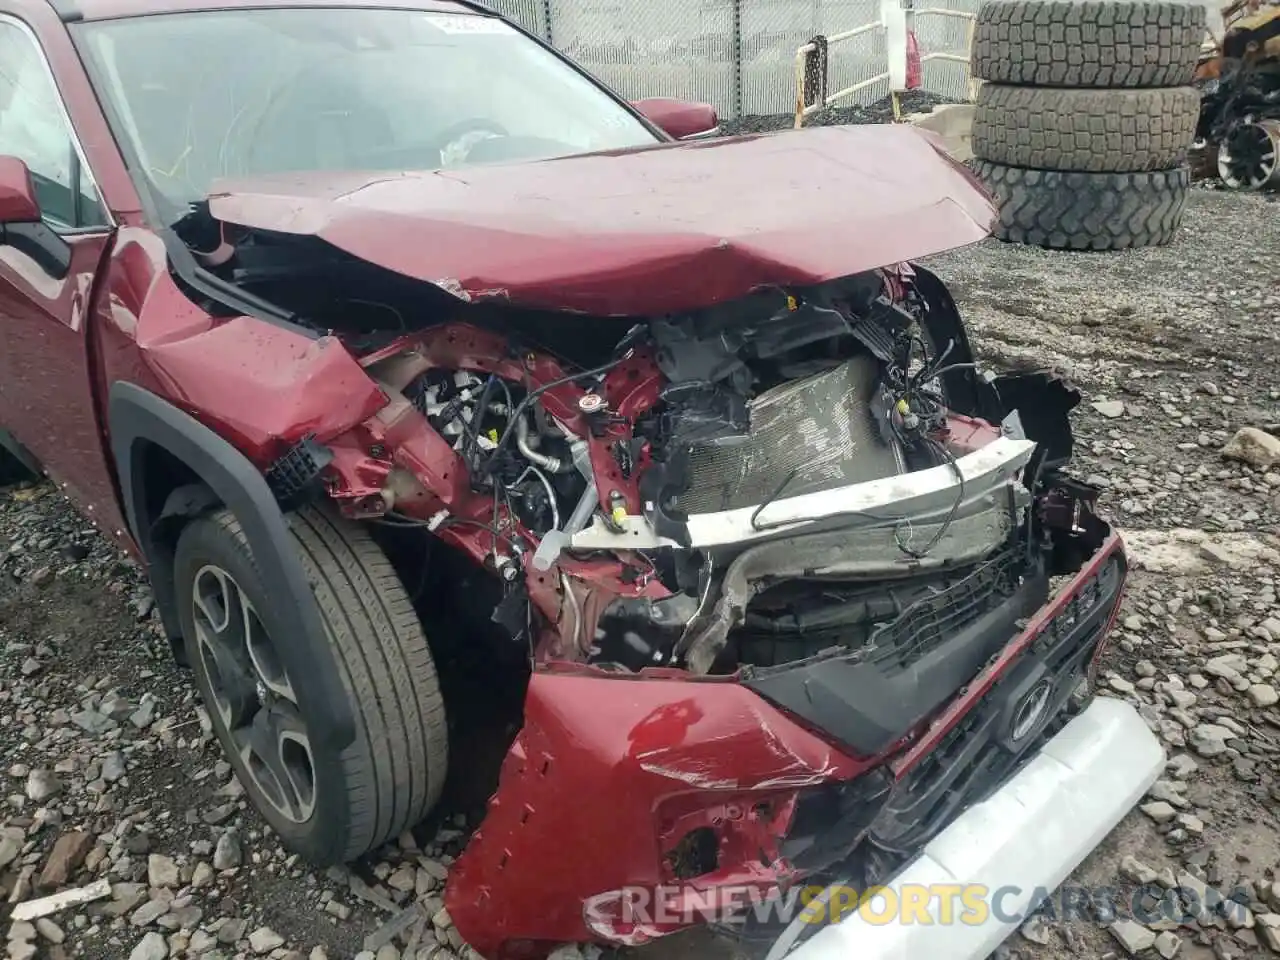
(660, 756)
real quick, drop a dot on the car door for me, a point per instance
(47, 272)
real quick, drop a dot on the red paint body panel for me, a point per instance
(264, 388)
(48, 384)
(648, 231)
(604, 760)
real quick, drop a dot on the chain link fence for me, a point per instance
(738, 55)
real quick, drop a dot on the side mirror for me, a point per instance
(18, 202)
(682, 119)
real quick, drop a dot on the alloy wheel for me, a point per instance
(252, 695)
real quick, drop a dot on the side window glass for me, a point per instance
(33, 128)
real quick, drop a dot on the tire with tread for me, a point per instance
(1085, 211)
(391, 775)
(1098, 131)
(1087, 43)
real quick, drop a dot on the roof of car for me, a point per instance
(73, 10)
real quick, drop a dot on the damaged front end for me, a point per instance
(788, 573)
(782, 569)
(788, 581)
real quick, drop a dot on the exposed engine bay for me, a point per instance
(725, 488)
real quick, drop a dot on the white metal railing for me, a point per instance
(897, 27)
(961, 58)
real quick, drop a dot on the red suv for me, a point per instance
(458, 410)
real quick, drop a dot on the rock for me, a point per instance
(21, 930)
(1229, 666)
(1267, 927)
(1112, 409)
(1135, 871)
(1169, 791)
(1035, 929)
(183, 918)
(150, 947)
(1134, 937)
(404, 879)
(1182, 699)
(1254, 447)
(42, 785)
(387, 951)
(232, 930)
(1168, 945)
(337, 908)
(113, 767)
(21, 950)
(1263, 695)
(67, 854)
(1120, 685)
(149, 912)
(49, 930)
(1209, 740)
(162, 871)
(9, 850)
(124, 898)
(227, 853)
(1159, 810)
(202, 875)
(264, 940)
(1192, 824)
(437, 870)
(1182, 766)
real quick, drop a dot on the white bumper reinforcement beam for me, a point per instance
(918, 494)
(1028, 836)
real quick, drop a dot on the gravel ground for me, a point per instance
(109, 771)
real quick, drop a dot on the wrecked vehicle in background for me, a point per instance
(661, 458)
(1238, 134)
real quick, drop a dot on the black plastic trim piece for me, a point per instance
(138, 418)
(868, 706)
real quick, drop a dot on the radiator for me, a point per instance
(820, 426)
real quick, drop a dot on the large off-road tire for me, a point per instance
(1099, 131)
(1094, 43)
(1085, 211)
(328, 806)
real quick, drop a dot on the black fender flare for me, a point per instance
(137, 418)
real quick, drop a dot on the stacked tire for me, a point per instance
(1084, 118)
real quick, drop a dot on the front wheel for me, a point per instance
(328, 806)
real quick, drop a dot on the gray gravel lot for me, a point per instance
(108, 769)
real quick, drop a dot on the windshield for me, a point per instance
(234, 93)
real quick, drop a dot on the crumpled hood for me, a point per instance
(640, 232)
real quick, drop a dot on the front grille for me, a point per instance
(820, 427)
(979, 753)
(927, 623)
(895, 624)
